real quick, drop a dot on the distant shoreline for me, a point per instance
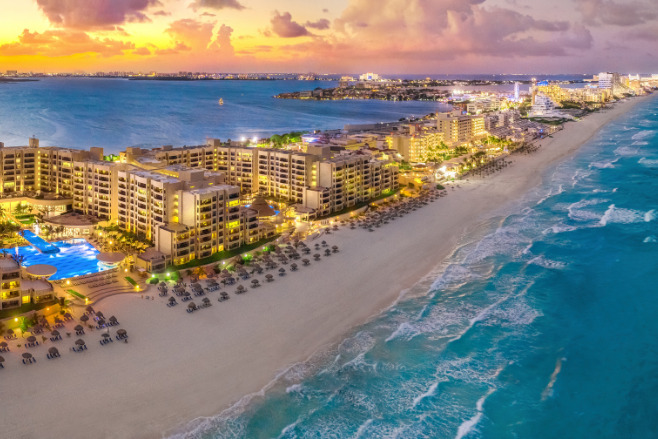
(12, 80)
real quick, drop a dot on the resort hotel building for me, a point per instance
(189, 202)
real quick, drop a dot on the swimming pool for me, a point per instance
(75, 258)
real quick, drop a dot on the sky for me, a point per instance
(330, 36)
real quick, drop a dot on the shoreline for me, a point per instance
(178, 367)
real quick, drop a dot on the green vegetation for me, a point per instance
(570, 105)
(76, 294)
(440, 187)
(131, 281)
(15, 312)
(548, 121)
(111, 158)
(224, 255)
(279, 141)
(404, 166)
(442, 153)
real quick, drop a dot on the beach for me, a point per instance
(178, 367)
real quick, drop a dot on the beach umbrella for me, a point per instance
(101, 322)
(78, 328)
(269, 277)
(84, 318)
(293, 266)
(89, 309)
(100, 315)
(55, 333)
(2, 359)
(254, 282)
(27, 355)
(10, 332)
(105, 335)
(172, 299)
(68, 315)
(206, 300)
(282, 271)
(316, 256)
(31, 339)
(53, 351)
(191, 305)
(306, 261)
(240, 289)
(3, 345)
(123, 333)
(80, 342)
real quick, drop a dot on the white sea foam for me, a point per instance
(560, 228)
(650, 216)
(548, 390)
(607, 164)
(360, 433)
(620, 215)
(577, 213)
(402, 330)
(295, 388)
(542, 261)
(426, 394)
(467, 426)
(643, 134)
(627, 151)
(649, 163)
(650, 239)
(558, 191)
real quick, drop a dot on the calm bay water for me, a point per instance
(116, 113)
(542, 325)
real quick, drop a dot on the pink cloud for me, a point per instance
(321, 24)
(284, 26)
(217, 4)
(94, 14)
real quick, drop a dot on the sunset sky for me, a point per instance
(337, 36)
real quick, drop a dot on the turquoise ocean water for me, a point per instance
(542, 324)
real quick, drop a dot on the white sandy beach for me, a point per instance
(179, 366)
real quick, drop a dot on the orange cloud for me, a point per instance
(55, 43)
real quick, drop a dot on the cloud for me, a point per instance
(223, 41)
(217, 4)
(55, 43)
(285, 27)
(208, 14)
(321, 24)
(178, 48)
(449, 29)
(95, 14)
(142, 51)
(162, 13)
(195, 34)
(628, 13)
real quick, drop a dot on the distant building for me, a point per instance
(517, 92)
(369, 77)
(458, 129)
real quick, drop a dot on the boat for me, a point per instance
(221, 101)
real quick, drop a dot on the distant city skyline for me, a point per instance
(343, 36)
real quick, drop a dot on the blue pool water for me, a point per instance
(541, 325)
(41, 244)
(74, 258)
